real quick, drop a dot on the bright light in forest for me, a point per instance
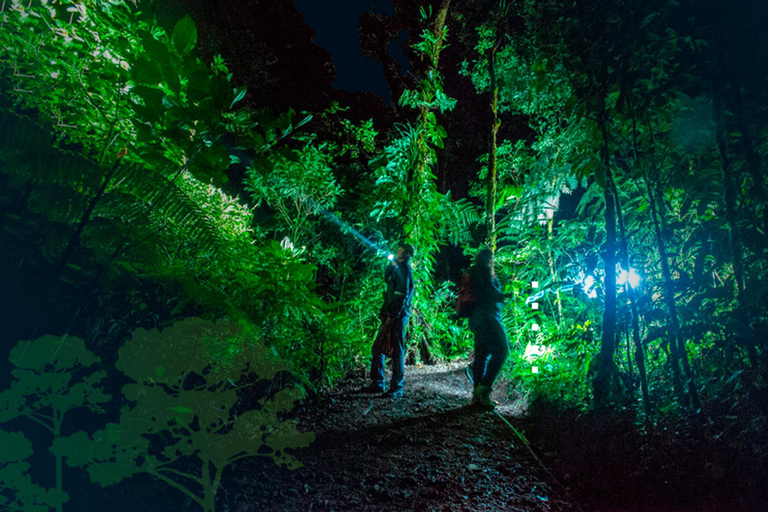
(348, 229)
(588, 283)
(533, 351)
(633, 278)
(589, 287)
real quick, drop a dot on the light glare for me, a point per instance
(532, 352)
(632, 277)
(589, 283)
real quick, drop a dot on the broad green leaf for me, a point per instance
(185, 35)
(146, 72)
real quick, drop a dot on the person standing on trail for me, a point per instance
(491, 345)
(394, 315)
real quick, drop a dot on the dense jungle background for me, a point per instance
(194, 225)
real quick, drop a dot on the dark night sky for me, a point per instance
(335, 26)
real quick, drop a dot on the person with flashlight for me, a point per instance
(491, 345)
(394, 314)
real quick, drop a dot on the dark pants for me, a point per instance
(398, 358)
(491, 348)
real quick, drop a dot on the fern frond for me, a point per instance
(28, 149)
(459, 217)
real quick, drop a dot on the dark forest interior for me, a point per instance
(196, 216)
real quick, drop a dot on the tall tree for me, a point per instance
(497, 24)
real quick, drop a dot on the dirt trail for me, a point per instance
(428, 451)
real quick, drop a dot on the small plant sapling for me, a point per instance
(186, 422)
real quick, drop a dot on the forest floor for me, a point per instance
(428, 451)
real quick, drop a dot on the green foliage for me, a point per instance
(435, 323)
(110, 80)
(186, 410)
(297, 184)
(184, 36)
(299, 190)
(146, 115)
(357, 140)
(116, 139)
(392, 169)
(116, 136)
(612, 95)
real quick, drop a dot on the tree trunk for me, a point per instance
(74, 240)
(679, 354)
(753, 159)
(602, 382)
(208, 502)
(490, 201)
(729, 185)
(552, 273)
(420, 172)
(629, 351)
(57, 419)
(639, 351)
(730, 196)
(669, 292)
(442, 15)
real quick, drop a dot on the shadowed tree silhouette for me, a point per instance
(52, 377)
(187, 422)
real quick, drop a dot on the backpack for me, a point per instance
(465, 299)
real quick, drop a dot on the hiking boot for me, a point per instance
(393, 395)
(475, 397)
(371, 389)
(481, 397)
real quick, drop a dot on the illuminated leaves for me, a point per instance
(299, 185)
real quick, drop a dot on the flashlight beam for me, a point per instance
(345, 227)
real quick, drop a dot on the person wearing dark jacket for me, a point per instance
(394, 317)
(491, 345)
